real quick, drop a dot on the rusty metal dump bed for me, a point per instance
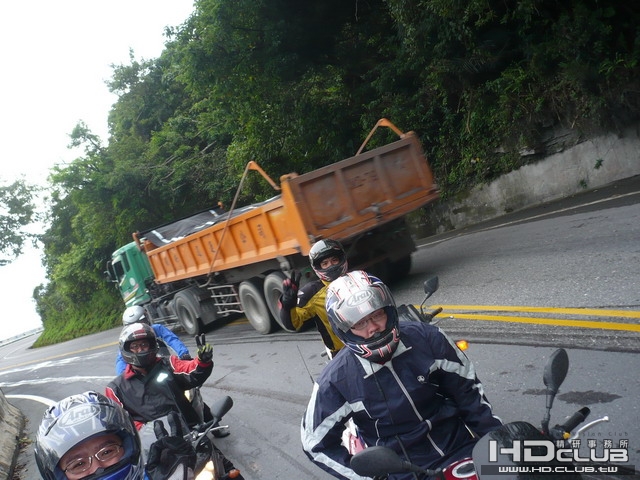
(338, 201)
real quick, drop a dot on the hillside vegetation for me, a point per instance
(297, 85)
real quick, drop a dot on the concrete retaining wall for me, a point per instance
(587, 165)
(11, 426)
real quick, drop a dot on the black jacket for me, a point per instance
(154, 395)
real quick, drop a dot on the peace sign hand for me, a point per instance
(205, 351)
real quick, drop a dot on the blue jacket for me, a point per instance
(420, 402)
(164, 334)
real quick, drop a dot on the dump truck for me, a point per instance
(218, 263)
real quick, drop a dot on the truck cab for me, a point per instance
(130, 270)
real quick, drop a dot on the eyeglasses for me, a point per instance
(376, 317)
(80, 465)
(141, 346)
(329, 262)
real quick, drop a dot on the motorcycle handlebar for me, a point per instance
(203, 427)
(431, 315)
(573, 421)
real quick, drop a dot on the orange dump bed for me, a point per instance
(338, 201)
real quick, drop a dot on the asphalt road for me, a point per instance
(563, 274)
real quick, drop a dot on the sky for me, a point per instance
(56, 58)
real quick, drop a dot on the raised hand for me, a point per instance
(205, 350)
(290, 290)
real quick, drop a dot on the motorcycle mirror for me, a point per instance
(431, 285)
(221, 406)
(377, 461)
(556, 370)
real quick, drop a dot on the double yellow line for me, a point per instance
(634, 326)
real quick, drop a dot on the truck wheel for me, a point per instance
(400, 268)
(187, 309)
(272, 291)
(254, 306)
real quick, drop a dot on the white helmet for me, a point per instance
(135, 314)
(352, 297)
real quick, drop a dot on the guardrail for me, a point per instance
(20, 336)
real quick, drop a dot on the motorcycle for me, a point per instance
(218, 467)
(211, 463)
(411, 314)
(516, 450)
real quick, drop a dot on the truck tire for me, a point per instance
(187, 308)
(255, 307)
(272, 291)
(400, 268)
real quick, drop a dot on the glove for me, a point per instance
(170, 454)
(186, 356)
(205, 351)
(290, 290)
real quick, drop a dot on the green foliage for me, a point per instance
(297, 85)
(17, 210)
(98, 312)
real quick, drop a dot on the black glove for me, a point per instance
(205, 351)
(170, 453)
(186, 356)
(290, 290)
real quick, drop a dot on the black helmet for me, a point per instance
(352, 297)
(325, 249)
(137, 332)
(134, 314)
(77, 418)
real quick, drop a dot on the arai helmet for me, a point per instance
(354, 296)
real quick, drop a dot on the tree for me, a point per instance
(17, 210)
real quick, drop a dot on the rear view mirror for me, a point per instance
(431, 285)
(556, 370)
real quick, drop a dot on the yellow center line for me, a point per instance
(560, 311)
(630, 327)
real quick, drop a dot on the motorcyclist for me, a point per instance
(88, 435)
(139, 347)
(405, 385)
(147, 400)
(300, 305)
(137, 314)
